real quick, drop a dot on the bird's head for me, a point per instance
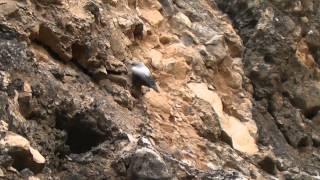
(136, 63)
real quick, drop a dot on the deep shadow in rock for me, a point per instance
(84, 130)
(81, 140)
(22, 161)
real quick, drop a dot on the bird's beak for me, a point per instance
(156, 89)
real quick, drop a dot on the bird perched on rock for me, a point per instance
(141, 75)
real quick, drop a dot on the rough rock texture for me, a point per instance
(281, 60)
(24, 156)
(238, 95)
(147, 164)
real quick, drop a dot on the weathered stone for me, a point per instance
(47, 2)
(209, 127)
(237, 133)
(133, 27)
(201, 91)
(6, 160)
(218, 39)
(3, 126)
(25, 99)
(304, 56)
(313, 38)
(168, 39)
(181, 20)
(147, 164)
(164, 39)
(94, 9)
(119, 43)
(304, 96)
(315, 140)
(2, 173)
(156, 58)
(155, 100)
(4, 80)
(114, 65)
(244, 142)
(8, 8)
(235, 45)
(49, 35)
(121, 96)
(118, 79)
(211, 61)
(23, 154)
(218, 51)
(203, 32)
(26, 173)
(111, 2)
(100, 73)
(153, 16)
(33, 178)
(57, 73)
(177, 67)
(238, 166)
(144, 142)
(168, 7)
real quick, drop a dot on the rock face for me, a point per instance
(283, 67)
(235, 102)
(23, 155)
(147, 164)
(238, 133)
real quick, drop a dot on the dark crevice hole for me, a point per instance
(73, 61)
(51, 52)
(311, 112)
(80, 51)
(268, 59)
(82, 135)
(22, 160)
(82, 140)
(304, 142)
(114, 72)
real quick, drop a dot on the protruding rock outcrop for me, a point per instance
(147, 164)
(22, 154)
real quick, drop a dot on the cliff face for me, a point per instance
(238, 91)
(281, 59)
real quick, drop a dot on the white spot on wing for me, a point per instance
(141, 70)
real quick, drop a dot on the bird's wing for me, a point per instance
(141, 71)
(144, 74)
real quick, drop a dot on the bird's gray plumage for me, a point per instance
(141, 76)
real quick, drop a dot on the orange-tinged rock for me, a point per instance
(37, 157)
(160, 102)
(8, 7)
(181, 19)
(153, 16)
(14, 140)
(18, 145)
(155, 57)
(201, 91)
(304, 56)
(238, 132)
(177, 67)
